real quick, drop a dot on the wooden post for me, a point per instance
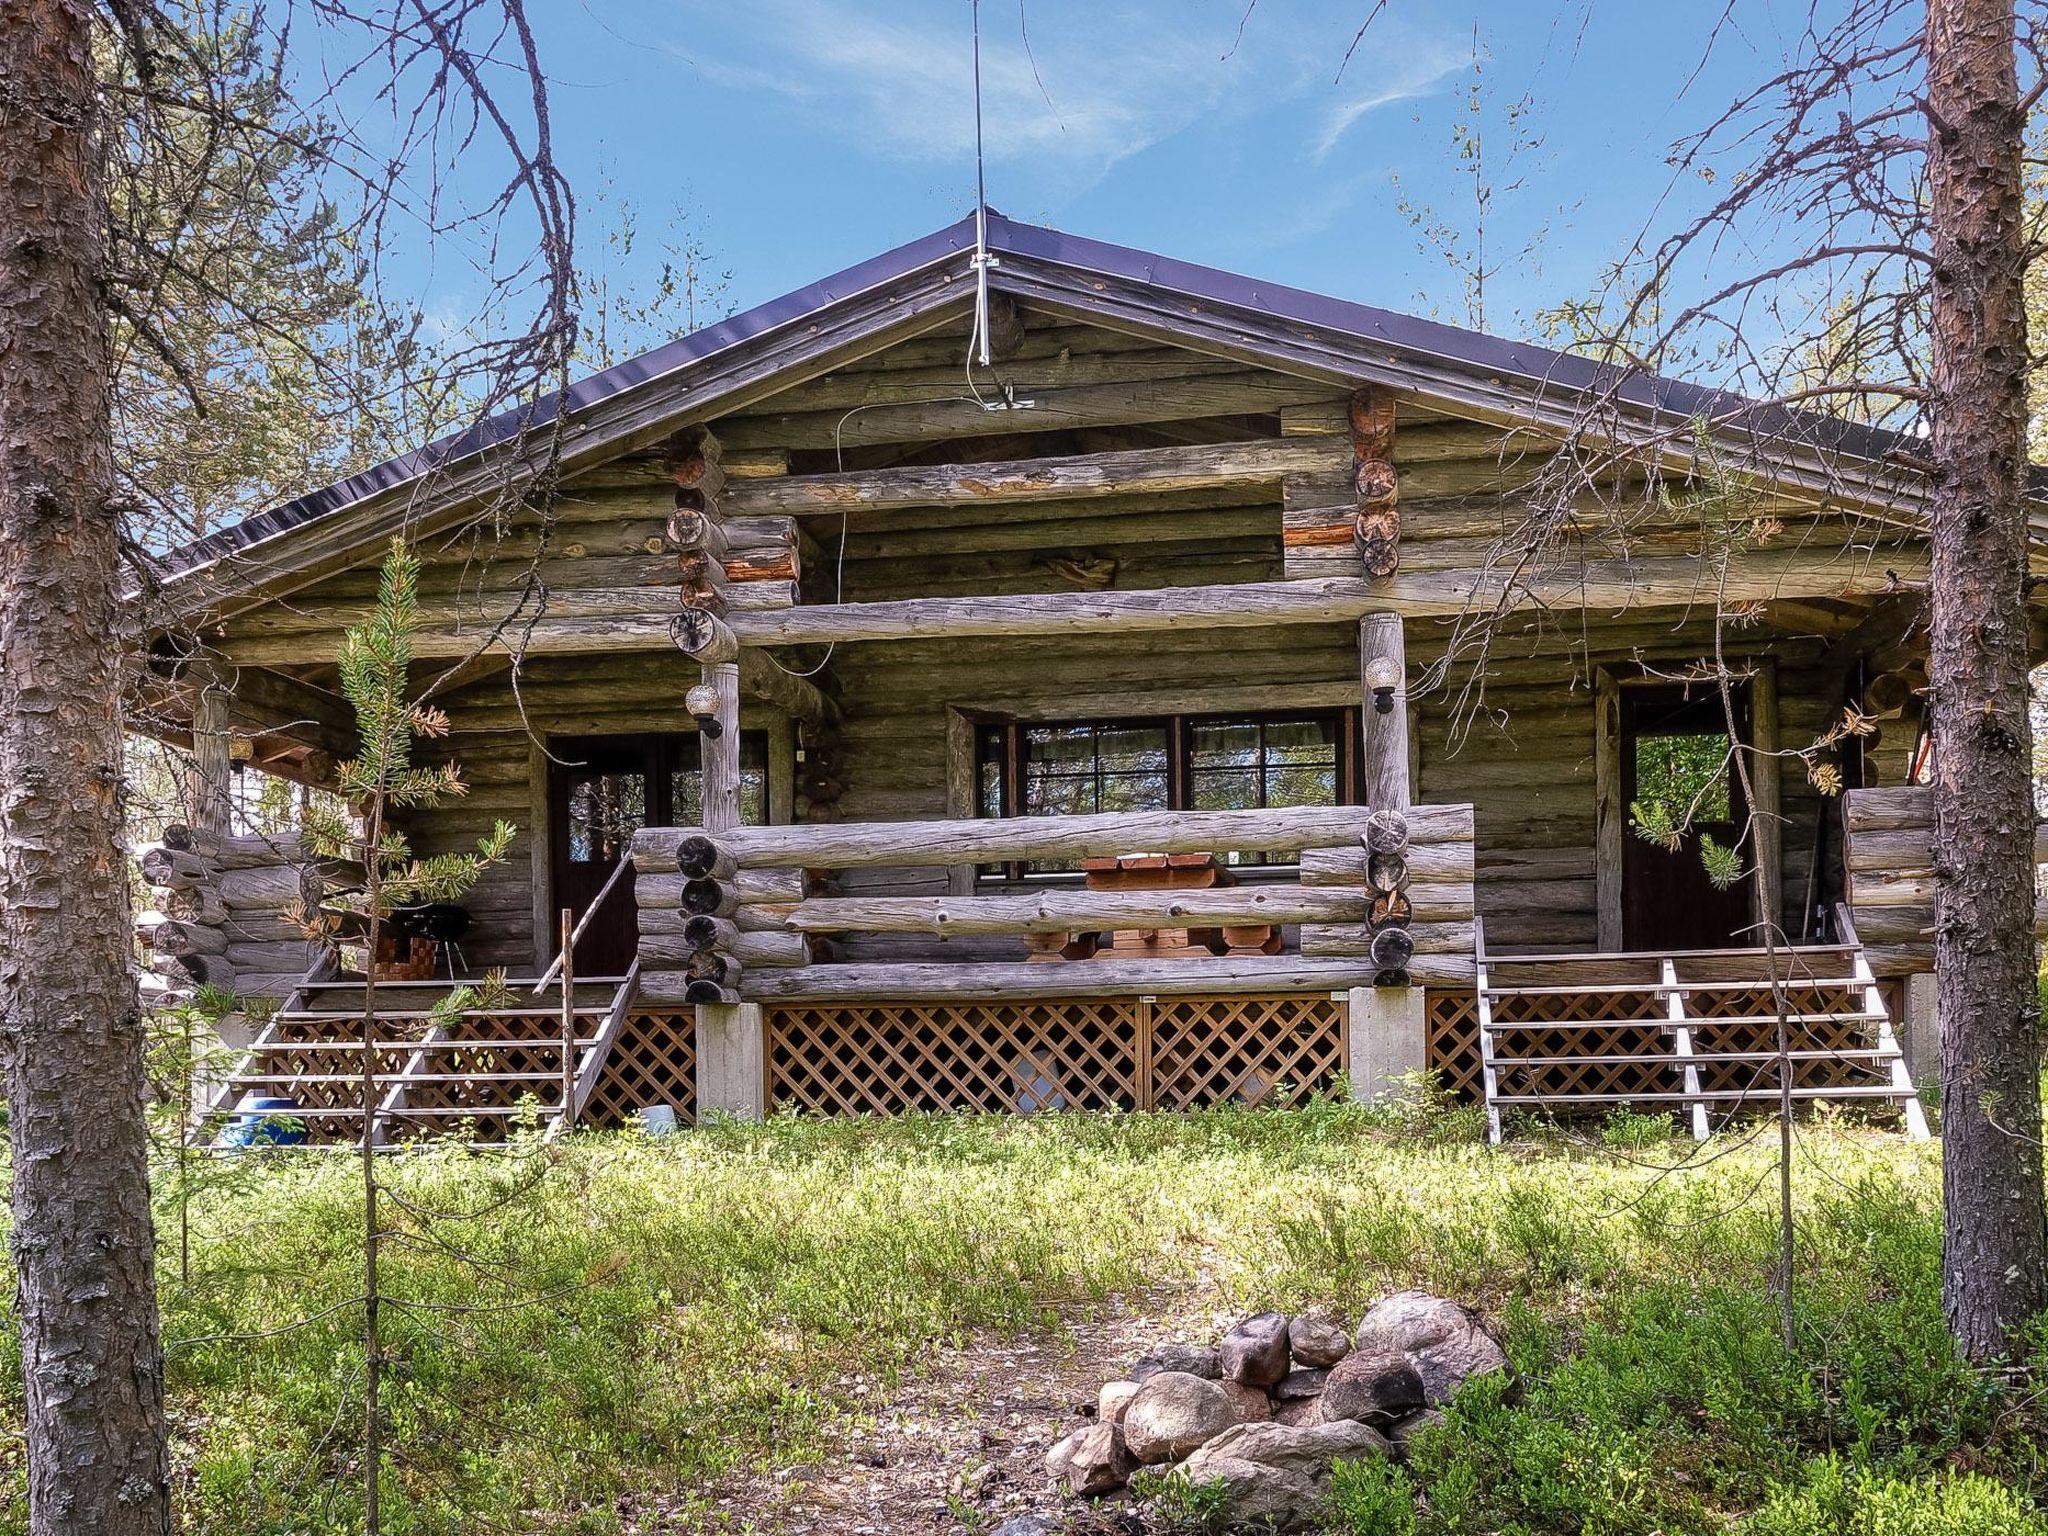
(1920, 1027)
(1386, 1038)
(568, 979)
(210, 805)
(1376, 526)
(1383, 670)
(732, 1063)
(719, 748)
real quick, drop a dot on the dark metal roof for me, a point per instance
(1384, 332)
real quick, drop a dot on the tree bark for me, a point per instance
(1993, 1254)
(72, 1040)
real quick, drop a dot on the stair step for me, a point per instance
(1701, 1059)
(1714, 1096)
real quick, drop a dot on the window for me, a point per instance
(686, 781)
(612, 786)
(605, 810)
(1178, 762)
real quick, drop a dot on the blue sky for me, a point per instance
(800, 135)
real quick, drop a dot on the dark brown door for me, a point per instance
(1680, 786)
(601, 790)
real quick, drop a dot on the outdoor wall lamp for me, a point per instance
(702, 703)
(1383, 677)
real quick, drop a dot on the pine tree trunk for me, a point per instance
(1993, 1255)
(72, 1037)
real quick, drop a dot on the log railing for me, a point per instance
(1888, 851)
(1383, 898)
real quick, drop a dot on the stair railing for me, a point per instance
(573, 935)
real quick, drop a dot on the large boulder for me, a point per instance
(1092, 1460)
(1249, 1405)
(1317, 1340)
(1256, 1497)
(1273, 1477)
(1309, 1381)
(1447, 1340)
(1114, 1399)
(1308, 1449)
(1174, 1413)
(1255, 1351)
(1373, 1386)
(1188, 1359)
(1028, 1525)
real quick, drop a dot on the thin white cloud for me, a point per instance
(1120, 77)
(1416, 71)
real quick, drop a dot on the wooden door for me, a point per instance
(1676, 771)
(601, 790)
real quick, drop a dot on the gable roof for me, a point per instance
(1269, 324)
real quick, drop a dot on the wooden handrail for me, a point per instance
(553, 970)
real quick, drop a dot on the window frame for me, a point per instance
(1001, 741)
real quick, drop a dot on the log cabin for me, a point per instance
(1058, 676)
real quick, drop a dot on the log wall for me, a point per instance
(224, 913)
(1890, 860)
(950, 506)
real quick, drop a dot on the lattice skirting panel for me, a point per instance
(653, 1062)
(1020, 1057)
(1454, 1042)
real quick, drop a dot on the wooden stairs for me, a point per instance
(1694, 1033)
(478, 1073)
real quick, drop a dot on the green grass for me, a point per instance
(631, 1316)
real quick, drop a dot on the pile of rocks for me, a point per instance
(1265, 1413)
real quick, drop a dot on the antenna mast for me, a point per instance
(979, 346)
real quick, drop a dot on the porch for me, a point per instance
(737, 1003)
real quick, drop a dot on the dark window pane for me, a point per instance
(686, 783)
(1682, 779)
(1133, 791)
(1303, 784)
(1301, 741)
(1226, 789)
(605, 810)
(1067, 795)
(1124, 749)
(1224, 744)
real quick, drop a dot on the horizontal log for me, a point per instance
(1193, 467)
(195, 904)
(671, 951)
(1604, 585)
(1903, 848)
(228, 852)
(1909, 850)
(759, 917)
(283, 955)
(1899, 959)
(1428, 864)
(1062, 909)
(168, 936)
(1888, 810)
(1890, 889)
(174, 869)
(750, 885)
(1882, 925)
(274, 886)
(673, 987)
(848, 845)
(1357, 941)
(1088, 978)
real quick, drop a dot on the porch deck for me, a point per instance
(734, 1002)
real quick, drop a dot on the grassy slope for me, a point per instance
(648, 1313)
